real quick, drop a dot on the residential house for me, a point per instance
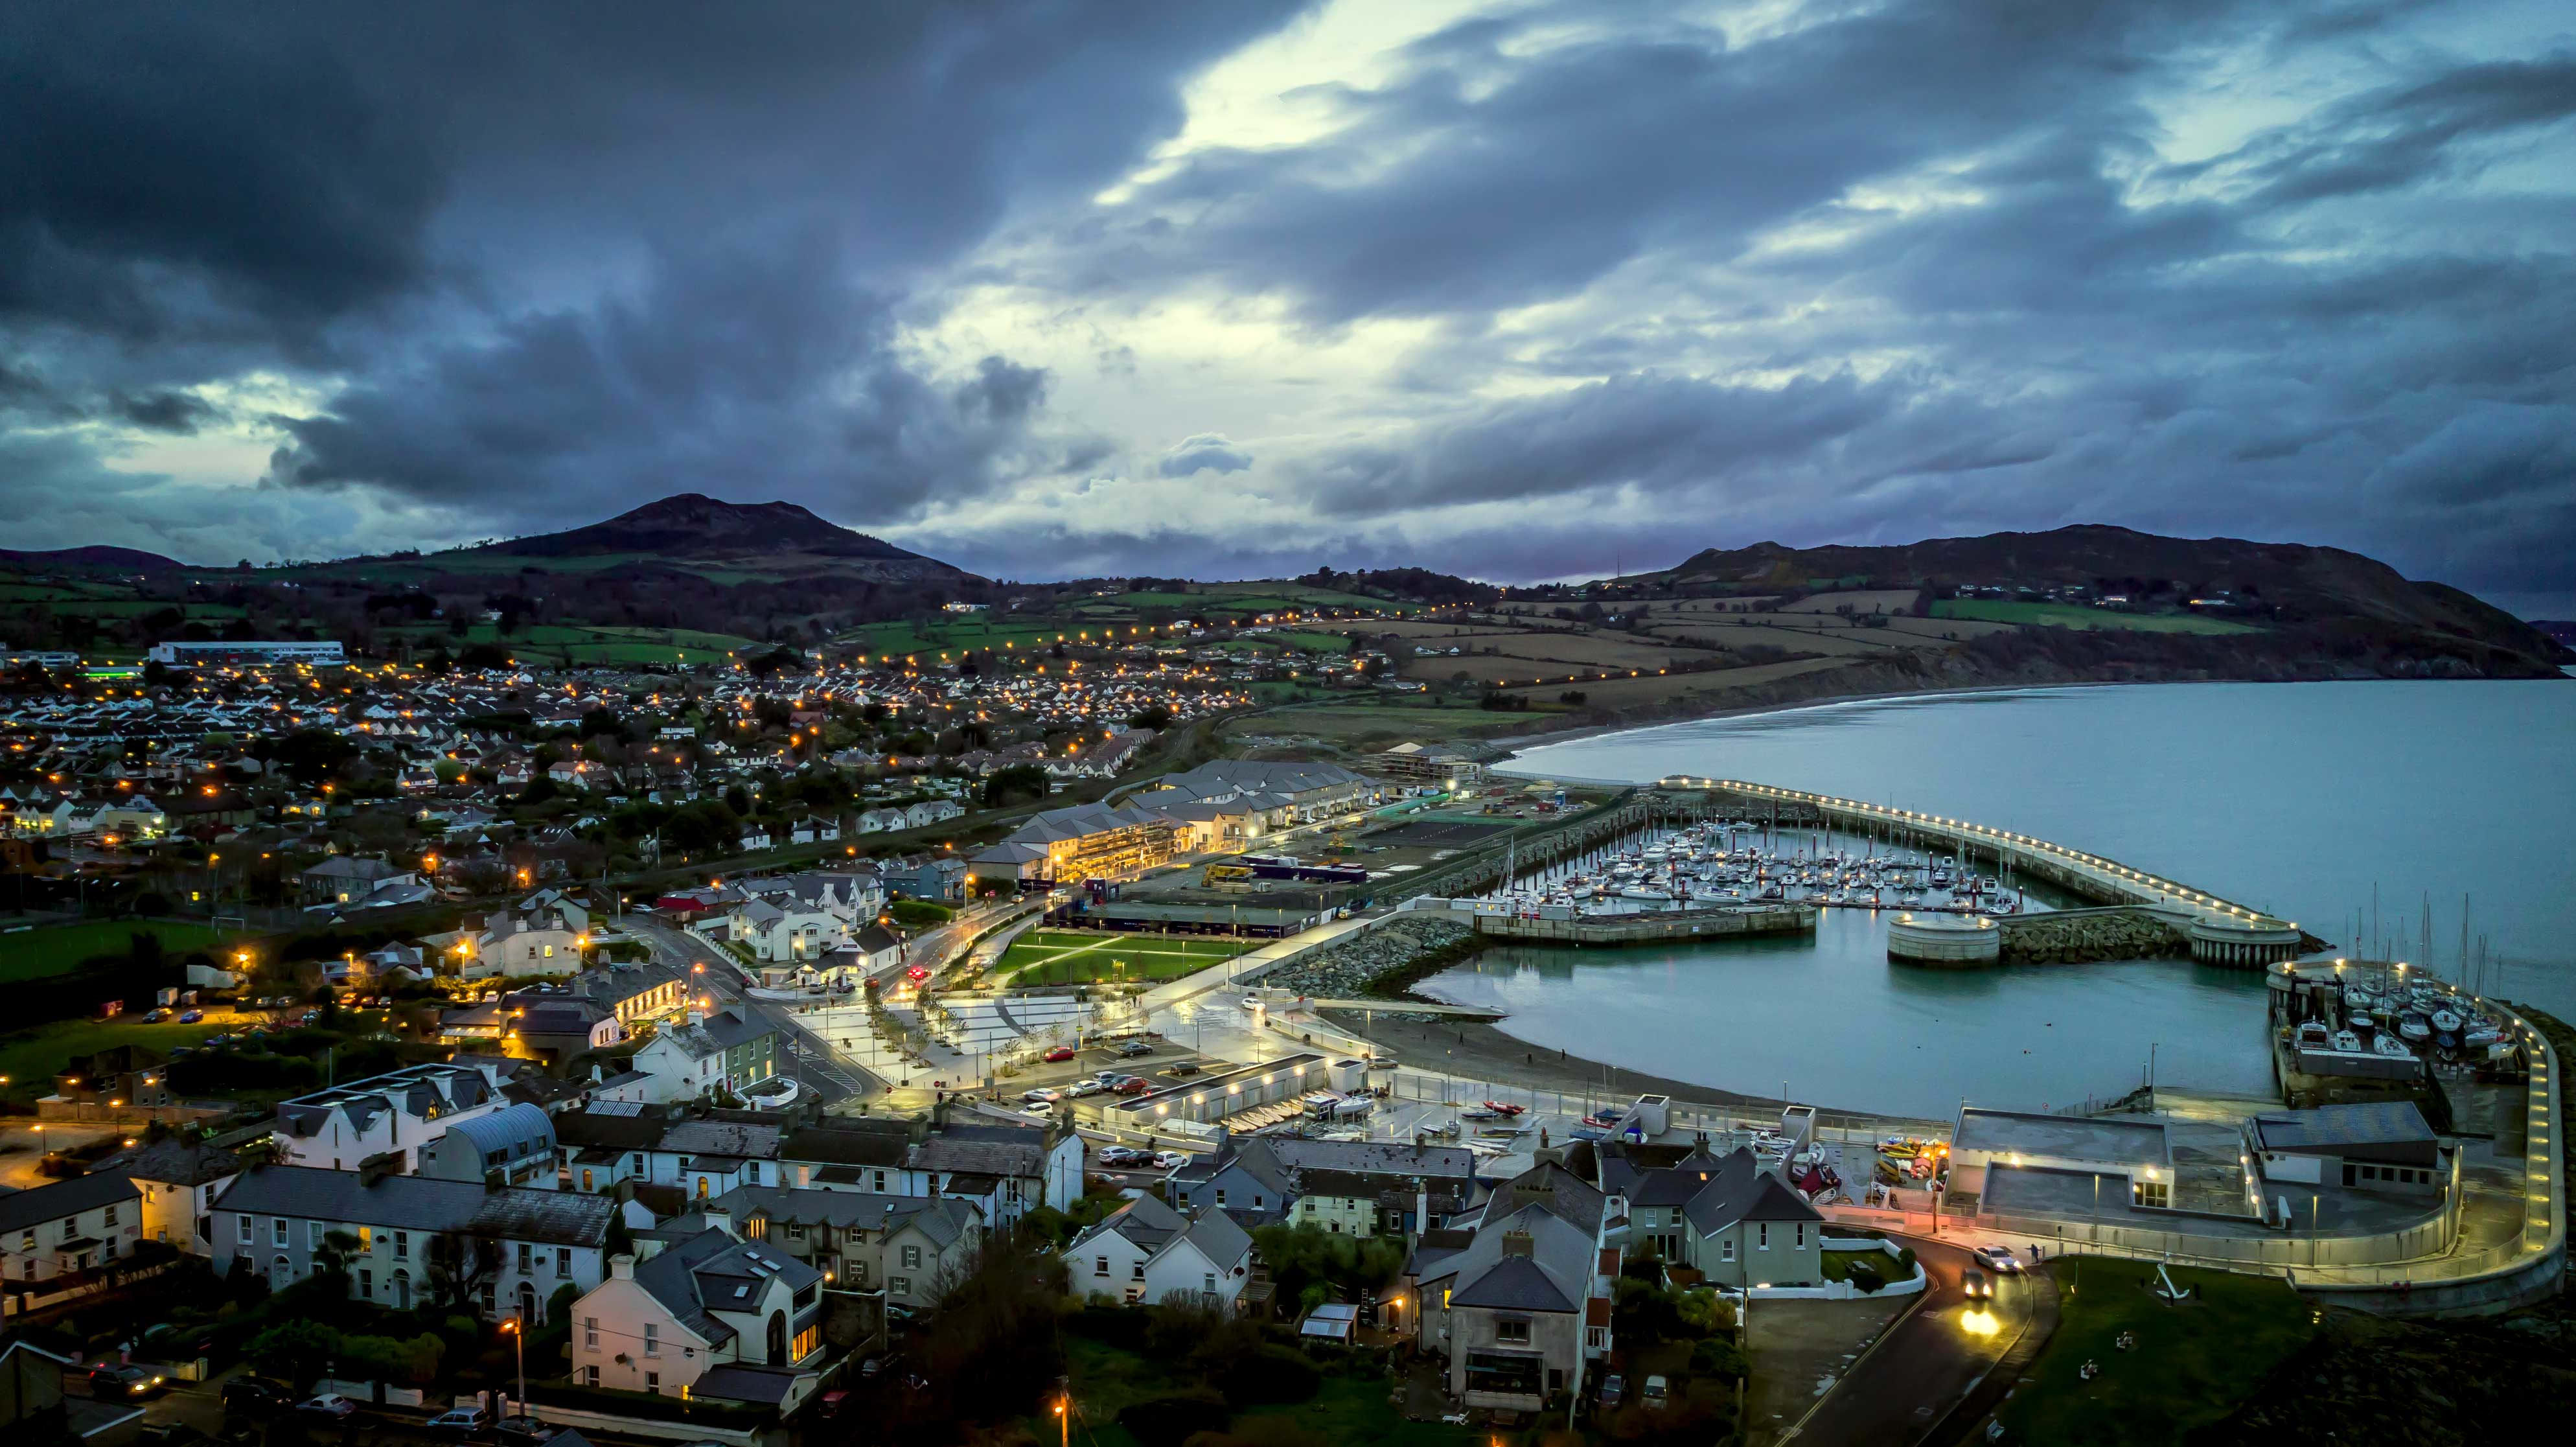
(909, 1247)
(515, 942)
(1516, 1298)
(710, 1316)
(178, 1181)
(1356, 1188)
(559, 1027)
(69, 1227)
(514, 1146)
(937, 877)
(728, 1050)
(344, 880)
(634, 993)
(1734, 1218)
(408, 1241)
(1147, 1252)
(396, 1113)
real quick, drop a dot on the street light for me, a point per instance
(519, 1340)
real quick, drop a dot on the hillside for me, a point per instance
(2279, 585)
(88, 560)
(693, 528)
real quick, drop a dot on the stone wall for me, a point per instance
(1379, 960)
(2075, 937)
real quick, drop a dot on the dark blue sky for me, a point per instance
(1522, 290)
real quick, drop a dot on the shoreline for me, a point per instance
(1523, 742)
(1480, 1050)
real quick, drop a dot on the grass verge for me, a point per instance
(2193, 1362)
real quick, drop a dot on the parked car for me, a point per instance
(1132, 1086)
(1999, 1259)
(1040, 1096)
(1133, 1049)
(1061, 1053)
(1976, 1285)
(1170, 1160)
(522, 1431)
(329, 1404)
(111, 1381)
(155, 1017)
(1082, 1088)
(463, 1421)
(1125, 1156)
(1614, 1388)
(252, 1397)
(191, 1017)
(1656, 1395)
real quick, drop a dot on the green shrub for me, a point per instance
(1268, 1374)
(1717, 1359)
(1168, 1421)
(1864, 1277)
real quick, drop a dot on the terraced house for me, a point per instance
(408, 1241)
(1731, 1217)
(908, 1247)
(728, 1050)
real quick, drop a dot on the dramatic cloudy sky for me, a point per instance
(1523, 289)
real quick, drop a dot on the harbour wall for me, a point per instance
(2215, 931)
(2081, 936)
(1658, 927)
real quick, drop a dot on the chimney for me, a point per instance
(1519, 1243)
(719, 1217)
(621, 1267)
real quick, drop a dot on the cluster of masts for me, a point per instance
(2386, 1013)
(1739, 862)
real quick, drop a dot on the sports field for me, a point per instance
(1065, 957)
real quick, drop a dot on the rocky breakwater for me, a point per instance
(1381, 962)
(2082, 936)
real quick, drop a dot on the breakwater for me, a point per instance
(2080, 936)
(1645, 928)
(2215, 931)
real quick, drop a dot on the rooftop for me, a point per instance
(2060, 1137)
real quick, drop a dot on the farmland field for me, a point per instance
(2069, 615)
(55, 949)
(1065, 957)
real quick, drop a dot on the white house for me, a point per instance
(1147, 1252)
(707, 1317)
(405, 1240)
(395, 1113)
(178, 1181)
(68, 1227)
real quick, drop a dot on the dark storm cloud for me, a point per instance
(1206, 452)
(779, 370)
(175, 412)
(1488, 177)
(541, 256)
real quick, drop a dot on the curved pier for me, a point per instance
(2220, 931)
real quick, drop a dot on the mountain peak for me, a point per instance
(694, 525)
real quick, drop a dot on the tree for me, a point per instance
(293, 1351)
(1017, 784)
(1152, 716)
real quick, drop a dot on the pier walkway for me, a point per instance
(2220, 931)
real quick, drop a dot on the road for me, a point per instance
(1933, 1361)
(823, 1072)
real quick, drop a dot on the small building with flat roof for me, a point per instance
(2384, 1146)
(1219, 1094)
(2136, 1151)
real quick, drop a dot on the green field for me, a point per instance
(573, 643)
(30, 1058)
(55, 949)
(2193, 1362)
(1346, 1411)
(1063, 957)
(2070, 615)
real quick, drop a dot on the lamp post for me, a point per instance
(519, 1341)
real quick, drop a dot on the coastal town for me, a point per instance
(700, 1032)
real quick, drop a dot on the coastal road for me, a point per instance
(1933, 1370)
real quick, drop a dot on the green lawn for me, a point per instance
(1061, 957)
(30, 1058)
(2070, 615)
(2193, 1362)
(54, 949)
(1346, 1412)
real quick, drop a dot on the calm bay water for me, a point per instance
(2296, 798)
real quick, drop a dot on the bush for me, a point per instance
(1169, 1421)
(1717, 1358)
(919, 913)
(1266, 1375)
(1864, 1277)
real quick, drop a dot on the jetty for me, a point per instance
(2213, 930)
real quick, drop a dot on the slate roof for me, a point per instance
(942, 1218)
(173, 1162)
(1558, 1190)
(556, 1218)
(421, 1203)
(735, 1382)
(1554, 1275)
(22, 1209)
(1742, 1188)
(712, 1272)
(415, 1089)
(739, 1140)
(880, 1143)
